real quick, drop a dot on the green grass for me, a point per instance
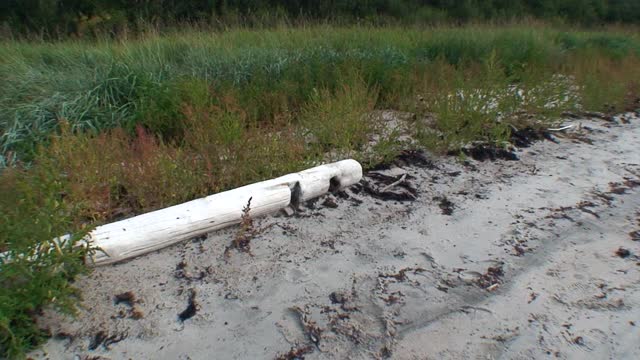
(96, 131)
(96, 86)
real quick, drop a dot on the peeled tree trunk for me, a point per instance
(155, 230)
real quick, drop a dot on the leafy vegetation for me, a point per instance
(96, 131)
(35, 269)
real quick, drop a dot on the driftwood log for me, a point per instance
(155, 230)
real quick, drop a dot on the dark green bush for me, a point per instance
(35, 271)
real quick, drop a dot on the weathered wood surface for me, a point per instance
(155, 230)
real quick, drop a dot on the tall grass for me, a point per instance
(96, 86)
(96, 131)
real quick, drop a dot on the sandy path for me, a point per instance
(524, 266)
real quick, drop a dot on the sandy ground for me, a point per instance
(524, 259)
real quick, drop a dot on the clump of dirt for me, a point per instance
(623, 253)
(296, 353)
(491, 277)
(330, 203)
(136, 314)
(338, 297)
(635, 235)
(192, 307)
(445, 205)
(518, 250)
(617, 188)
(620, 188)
(128, 298)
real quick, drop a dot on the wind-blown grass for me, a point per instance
(97, 86)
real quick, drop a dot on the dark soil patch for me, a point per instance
(128, 298)
(403, 191)
(635, 235)
(311, 203)
(192, 307)
(526, 137)
(483, 152)
(416, 158)
(63, 336)
(338, 297)
(522, 138)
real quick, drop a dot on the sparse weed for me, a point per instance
(604, 83)
(339, 123)
(246, 232)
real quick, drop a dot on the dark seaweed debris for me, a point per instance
(417, 158)
(296, 353)
(106, 340)
(491, 277)
(445, 205)
(623, 253)
(483, 152)
(192, 307)
(526, 137)
(128, 298)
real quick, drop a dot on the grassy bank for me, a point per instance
(93, 132)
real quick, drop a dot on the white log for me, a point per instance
(152, 231)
